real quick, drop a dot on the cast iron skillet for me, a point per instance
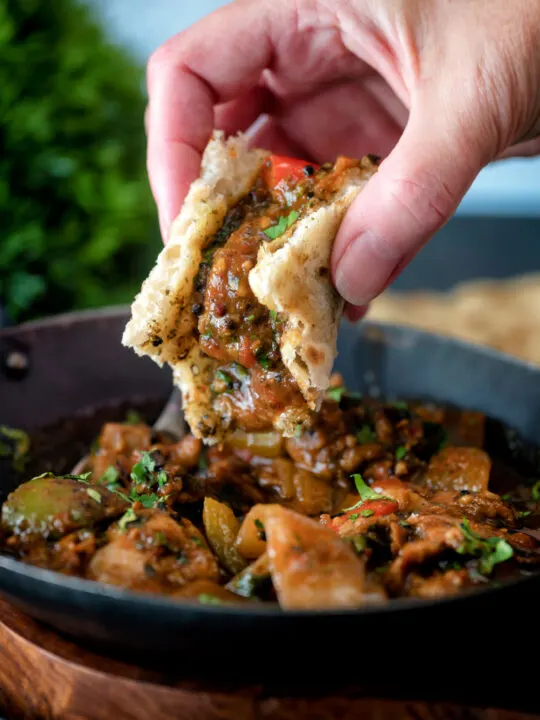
(73, 364)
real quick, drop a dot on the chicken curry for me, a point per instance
(377, 500)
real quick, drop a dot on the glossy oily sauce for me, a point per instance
(377, 501)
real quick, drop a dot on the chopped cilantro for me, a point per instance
(201, 462)
(162, 478)
(283, 223)
(197, 541)
(250, 318)
(147, 501)
(400, 405)
(366, 513)
(335, 393)
(264, 361)
(489, 551)
(298, 429)
(273, 314)
(365, 492)
(110, 476)
(359, 543)
(365, 435)
(524, 513)
(354, 516)
(207, 599)
(507, 496)
(141, 471)
(535, 492)
(80, 478)
(94, 495)
(400, 453)
(128, 517)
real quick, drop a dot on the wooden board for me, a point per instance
(45, 676)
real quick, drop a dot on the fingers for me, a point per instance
(341, 119)
(413, 194)
(187, 76)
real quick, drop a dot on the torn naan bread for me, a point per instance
(240, 302)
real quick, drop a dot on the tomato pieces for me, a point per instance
(375, 508)
(280, 168)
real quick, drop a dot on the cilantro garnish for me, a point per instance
(335, 393)
(536, 491)
(128, 517)
(94, 495)
(365, 492)
(489, 551)
(400, 453)
(142, 470)
(283, 223)
(366, 513)
(110, 476)
(202, 463)
(273, 314)
(264, 361)
(207, 599)
(365, 435)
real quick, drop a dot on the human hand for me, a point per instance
(437, 88)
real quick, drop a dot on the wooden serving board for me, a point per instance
(45, 676)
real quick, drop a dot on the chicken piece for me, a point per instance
(148, 550)
(479, 506)
(311, 567)
(439, 584)
(459, 468)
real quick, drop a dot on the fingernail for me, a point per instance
(362, 271)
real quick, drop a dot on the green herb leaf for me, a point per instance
(400, 405)
(207, 599)
(366, 513)
(264, 361)
(490, 551)
(202, 462)
(162, 478)
(365, 492)
(147, 501)
(273, 314)
(142, 471)
(250, 318)
(198, 541)
(400, 453)
(335, 393)
(354, 516)
(128, 517)
(110, 476)
(535, 492)
(94, 495)
(524, 513)
(283, 223)
(298, 430)
(365, 435)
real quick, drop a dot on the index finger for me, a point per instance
(212, 62)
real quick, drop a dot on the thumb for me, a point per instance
(415, 191)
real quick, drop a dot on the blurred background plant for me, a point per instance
(78, 222)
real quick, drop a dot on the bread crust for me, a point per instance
(292, 277)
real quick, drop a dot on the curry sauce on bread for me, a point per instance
(240, 302)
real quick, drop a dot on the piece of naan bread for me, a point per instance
(292, 277)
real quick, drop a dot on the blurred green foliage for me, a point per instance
(77, 221)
